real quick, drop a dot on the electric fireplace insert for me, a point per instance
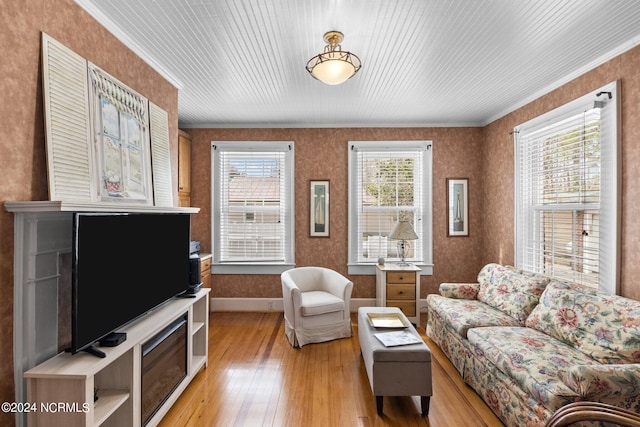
(164, 366)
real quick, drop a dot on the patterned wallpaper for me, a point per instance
(321, 154)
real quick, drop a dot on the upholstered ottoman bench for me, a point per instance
(403, 370)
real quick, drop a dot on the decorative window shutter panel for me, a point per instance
(66, 109)
(160, 156)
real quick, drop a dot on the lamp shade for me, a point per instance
(403, 231)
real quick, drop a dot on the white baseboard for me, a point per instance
(275, 304)
(271, 304)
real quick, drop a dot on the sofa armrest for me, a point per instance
(460, 290)
(614, 384)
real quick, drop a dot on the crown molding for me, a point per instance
(624, 47)
(128, 42)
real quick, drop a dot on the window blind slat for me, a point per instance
(559, 203)
(560, 171)
(389, 189)
(252, 205)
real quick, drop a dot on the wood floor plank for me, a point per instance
(255, 378)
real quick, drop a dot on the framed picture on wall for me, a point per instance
(101, 135)
(319, 209)
(457, 207)
(120, 132)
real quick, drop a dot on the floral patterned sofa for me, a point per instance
(529, 345)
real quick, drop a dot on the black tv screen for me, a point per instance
(124, 265)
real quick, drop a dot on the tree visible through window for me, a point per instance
(563, 220)
(571, 185)
(389, 184)
(389, 197)
(393, 181)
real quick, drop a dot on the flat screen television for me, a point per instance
(123, 266)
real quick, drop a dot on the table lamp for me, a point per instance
(402, 232)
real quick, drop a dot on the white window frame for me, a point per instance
(610, 185)
(257, 267)
(426, 150)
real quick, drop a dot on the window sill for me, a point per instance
(250, 268)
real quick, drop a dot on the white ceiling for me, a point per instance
(241, 63)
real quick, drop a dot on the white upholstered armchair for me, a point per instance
(316, 305)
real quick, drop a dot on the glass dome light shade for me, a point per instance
(334, 68)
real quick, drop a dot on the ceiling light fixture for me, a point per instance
(333, 66)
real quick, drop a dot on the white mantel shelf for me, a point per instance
(66, 206)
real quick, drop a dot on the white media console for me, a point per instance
(42, 238)
(61, 389)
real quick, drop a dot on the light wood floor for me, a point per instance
(255, 378)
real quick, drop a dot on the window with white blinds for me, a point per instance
(566, 192)
(389, 182)
(252, 202)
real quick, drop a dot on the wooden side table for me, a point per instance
(205, 270)
(399, 286)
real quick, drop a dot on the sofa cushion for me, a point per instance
(320, 302)
(452, 345)
(538, 363)
(510, 290)
(605, 327)
(459, 290)
(462, 314)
